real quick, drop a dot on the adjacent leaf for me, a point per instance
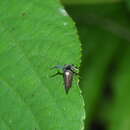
(79, 2)
(128, 4)
(120, 109)
(35, 36)
(94, 72)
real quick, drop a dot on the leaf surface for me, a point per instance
(35, 36)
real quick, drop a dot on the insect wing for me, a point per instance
(68, 78)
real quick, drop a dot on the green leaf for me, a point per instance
(35, 36)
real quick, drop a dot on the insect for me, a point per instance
(68, 71)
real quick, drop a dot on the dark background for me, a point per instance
(104, 31)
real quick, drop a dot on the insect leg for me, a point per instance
(58, 73)
(76, 73)
(57, 67)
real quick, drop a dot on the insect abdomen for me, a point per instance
(68, 78)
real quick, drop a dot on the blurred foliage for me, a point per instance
(88, 1)
(104, 31)
(128, 4)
